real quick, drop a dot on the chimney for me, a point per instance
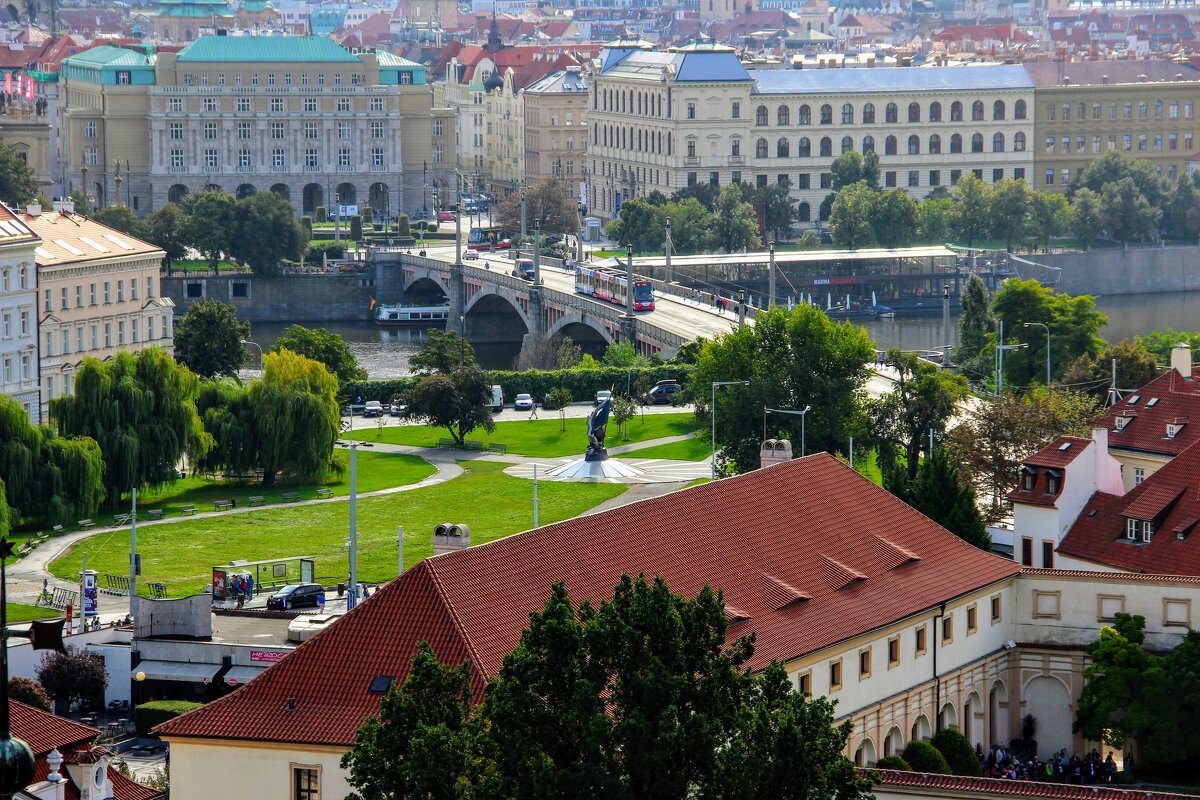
(68, 206)
(774, 451)
(448, 538)
(57, 205)
(1100, 439)
(1181, 359)
(34, 209)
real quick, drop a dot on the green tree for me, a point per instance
(704, 193)
(959, 754)
(975, 323)
(231, 419)
(140, 408)
(735, 225)
(933, 225)
(1136, 367)
(546, 203)
(893, 218)
(971, 215)
(266, 233)
(1115, 166)
(166, 229)
(1087, 216)
(809, 240)
(924, 398)
(792, 359)
(1181, 217)
(691, 226)
(850, 217)
(122, 219)
(208, 339)
(623, 355)
(18, 181)
(846, 170)
(442, 353)
(1073, 320)
(454, 392)
(1115, 705)
(940, 493)
(560, 398)
(924, 757)
(25, 690)
(779, 212)
(639, 224)
(211, 222)
(871, 169)
(323, 347)
(1010, 202)
(296, 416)
(422, 744)
(1049, 216)
(1128, 215)
(1159, 343)
(76, 675)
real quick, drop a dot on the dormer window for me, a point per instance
(1121, 422)
(1053, 481)
(1131, 529)
(1028, 478)
(1147, 530)
(1172, 430)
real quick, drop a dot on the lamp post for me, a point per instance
(260, 352)
(1000, 350)
(522, 212)
(462, 339)
(802, 414)
(946, 323)
(714, 418)
(1047, 327)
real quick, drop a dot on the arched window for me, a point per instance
(914, 145)
(804, 117)
(914, 112)
(826, 146)
(890, 113)
(998, 143)
(760, 115)
(956, 143)
(977, 110)
(804, 147)
(868, 144)
(847, 144)
(826, 114)
(1158, 109)
(783, 116)
(935, 111)
(805, 213)
(935, 144)
(977, 143)
(889, 146)
(1019, 110)
(869, 114)
(783, 148)
(847, 114)
(760, 148)
(956, 111)
(1019, 142)
(998, 109)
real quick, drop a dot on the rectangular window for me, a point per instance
(243, 104)
(889, 180)
(108, 334)
(803, 181)
(1026, 552)
(343, 156)
(24, 323)
(133, 288)
(343, 104)
(377, 157)
(343, 130)
(175, 104)
(376, 130)
(79, 339)
(972, 619)
(278, 157)
(244, 131)
(311, 158)
(827, 179)
(893, 651)
(1049, 176)
(210, 159)
(177, 159)
(914, 177)
(107, 292)
(277, 130)
(1147, 530)
(209, 104)
(244, 160)
(95, 337)
(736, 110)
(835, 675)
(804, 683)
(124, 77)
(92, 293)
(121, 291)
(64, 298)
(89, 130)
(955, 174)
(996, 609)
(1047, 555)
(310, 104)
(997, 175)
(935, 177)
(310, 130)
(1019, 173)
(377, 104)
(920, 643)
(120, 332)
(306, 783)
(47, 300)
(1131, 529)
(277, 104)
(175, 131)
(1139, 475)
(947, 629)
(864, 663)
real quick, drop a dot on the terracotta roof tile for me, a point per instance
(1054, 456)
(44, 731)
(779, 594)
(473, 604)
(1166, 398)
(988, 787)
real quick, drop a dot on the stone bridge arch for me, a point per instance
(495, 316)
(587, 331)
(426, 290)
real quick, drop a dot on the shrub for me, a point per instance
(322, 214)
(893, 762)
(957, 750)
(404, 229)
(356, 228)
(306, 226)
(924, 757)
(29, 692)
(156, 712)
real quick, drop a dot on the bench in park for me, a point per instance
(186, 510)
(470, 445)
(257, 500)
(445, 443)
(222, 505)
(26, 548)
(496, 447)
(86, 524)
(324, 492)
(57, 529)
(120, 519)
(154, 513)
(291, 497)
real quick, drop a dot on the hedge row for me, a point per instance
(156, 712)
(581, 383)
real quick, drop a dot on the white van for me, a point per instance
(497, 399)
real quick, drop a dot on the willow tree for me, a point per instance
(296, 412)
(141, 409)
(229, 417)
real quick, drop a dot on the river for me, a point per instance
(385, 353)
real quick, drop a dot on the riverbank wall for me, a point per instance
(1138, 270)
(288, 298)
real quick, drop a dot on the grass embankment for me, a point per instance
(20, 612)
(541, 438)
(492, 504)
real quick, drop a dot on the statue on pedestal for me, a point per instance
(597, 422)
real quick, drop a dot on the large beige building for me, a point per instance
(555, 136)
(666, 120)
(98, 293)
(18, 313)
(297, 115)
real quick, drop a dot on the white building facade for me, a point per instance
(18, 314)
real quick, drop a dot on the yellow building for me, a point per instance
(556, 129)
(29, 134)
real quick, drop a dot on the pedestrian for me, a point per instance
(533, 412)
(250, 587)
(233, 503)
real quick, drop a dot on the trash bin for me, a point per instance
(341, 590)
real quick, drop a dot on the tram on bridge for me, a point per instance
(603, 282)
(488, 238)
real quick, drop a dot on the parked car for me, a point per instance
(471, 255)
(447, 216)
(497, 399)
(297, 595)
(373, 408)
(662, 393)
(523, 402)
(601, 396)
(397, 410)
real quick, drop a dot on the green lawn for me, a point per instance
(492, 504)
(541, 437)
(375, 471)
(194, 265)
(698, 448)
(20, 612)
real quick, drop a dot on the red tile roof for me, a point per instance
(1005, 788)
(808, 528)
(44, 731)
(1050, 457)
(1170, 498)
(1146, 431)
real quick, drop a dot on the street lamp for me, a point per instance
(260, 352)
(1000, 350)
(802, 414)
(1047, 327)
(462, 339)
(714, 418)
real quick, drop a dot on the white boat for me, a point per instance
(395, 316)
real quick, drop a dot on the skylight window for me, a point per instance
(1065, 446)
(92, 243)
(380, 684)
(1133, 400)
(1150, 403)
(70, 248)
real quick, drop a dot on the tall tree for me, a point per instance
(871, 169)
(1087, 216)
(893, 218)
(1074, 325)
(230, 417)
(1115, 166)
(296, 416)
(735, 226)
(775, 200)
(211, 222)
(1049, 216)
(1160, 342)
(639, 224)
(76, 674)
(1181, 217)
(166, 229)
(265, 233)
(120, 218)
(454, 392)
(442, 352)
(323, 347)
(691, 226)
(793, 359)
(18, 181)
(1129, 216)
(976, 323)
(850, 217)
(1136, 367)
(1010, 202)
(208, 339)
(702, 192)
(939, 492)
(933, 220)
(923, 399)
(1115, 705)
(970, 216)
(140, 408)
(546, 203)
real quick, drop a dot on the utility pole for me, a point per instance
(629, 281)
(522, 211)
(458, 220)
(668, 246)
(537, 253)
(771, 277)
(946, 325)
(352, 589)
(133, 557)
